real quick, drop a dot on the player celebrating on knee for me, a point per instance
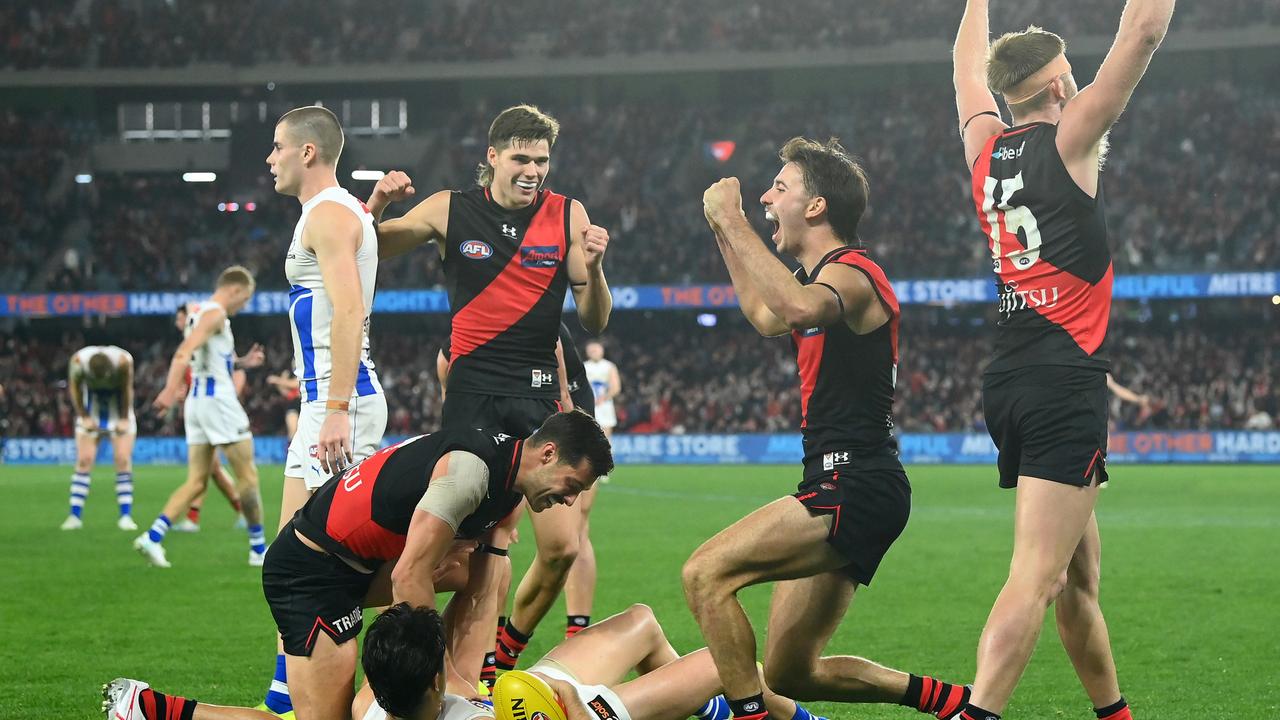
(100, 382)
(510, 249)
(212, 414)
(1038, 197)
(854, 500)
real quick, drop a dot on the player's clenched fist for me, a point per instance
(722, 200)
(595, 240)
(393, 187)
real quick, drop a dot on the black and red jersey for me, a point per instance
(1048, 242)
(846, 379)
(506, 275)
(364, 513)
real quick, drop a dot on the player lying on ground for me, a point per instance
(404, 662)
(374, 534)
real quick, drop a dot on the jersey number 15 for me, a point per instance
(1014, 218)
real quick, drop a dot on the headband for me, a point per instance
(1038, 81)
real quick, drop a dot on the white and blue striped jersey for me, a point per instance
(311, 312)
(598, 372)
(102, 397)
(213, 362)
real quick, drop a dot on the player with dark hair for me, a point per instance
(392, 519)
(829, 537)
(510, 250)
(1038, 196)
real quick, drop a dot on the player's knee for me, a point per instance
(699, 577)
(642, 615)
(793, 682)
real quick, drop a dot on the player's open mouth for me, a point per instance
(527, 185)
(773, 220)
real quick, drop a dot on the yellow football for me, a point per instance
(519, 695)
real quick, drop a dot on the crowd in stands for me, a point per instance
(173, 33)
(680, 377)
(1187, 186)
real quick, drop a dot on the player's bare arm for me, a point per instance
(254, 357)
(393, 187)
(756, 312)
(427, 222)
(1092, 112)
(430, 535)
(615, 384)
(126, 395)
(335, 238)
(175, 382)
(587, 245)
(469, 618)
(973, 98)
(567, 698)
(75, 377)
(797, 306)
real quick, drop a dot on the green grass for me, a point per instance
(1191, 587)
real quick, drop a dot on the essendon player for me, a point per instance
(510, 249)
(377, 534)
(822, 542)
(1039, 202)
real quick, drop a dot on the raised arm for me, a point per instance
(979, 115)
(1090, 114)
(427, 222)
(587, 245)
(753, 308)
(335, 237)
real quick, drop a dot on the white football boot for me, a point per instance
(126, 523)
(122, 699)
(256, 559)
(72, 523)
(152, 551)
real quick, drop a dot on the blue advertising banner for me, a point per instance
(1212, 446)
(639, 297)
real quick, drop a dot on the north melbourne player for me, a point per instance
(821, 543)
(100, 382)
(377, 533)
(212, 414)
(332, 266)
(510, 249)
(1039, 200)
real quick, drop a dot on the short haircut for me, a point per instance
(518, 124)
(577, 436)
(100, 365)
(1016, 56)
(236, 275)
(316, 125)
(403, 654)
(831, 173)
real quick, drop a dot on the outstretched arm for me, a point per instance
(975, 105)
(1092, 112)
(427, 222)
(175, 381)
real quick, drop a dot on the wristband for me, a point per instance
(342, 405)
(500, 552)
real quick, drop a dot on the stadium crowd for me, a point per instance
(680, 377)
(169, 33)
(1187, 187)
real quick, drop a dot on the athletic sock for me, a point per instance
(751, 708)
(929, 695)
(124, 492)
(79, 491)
(1115, 711)
(257, 539)
(278, 700)
(973, 712)
(575, 624)
(511, 642)
(717, 708)
(158, 706)
(158, 529)
(489, 670)
(193, 514)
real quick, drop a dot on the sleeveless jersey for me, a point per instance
(455, 707)
(113, 382)
(506, 277)
(573, 367)
(1048, 242)
(598, 376)
(311, 312)
(847, 380)
(213, 362)
(364, 513)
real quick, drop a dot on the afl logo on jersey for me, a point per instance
(476, 249)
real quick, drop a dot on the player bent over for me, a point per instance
(212, 414)
(821, 543)
(100, 381)
(394, 517)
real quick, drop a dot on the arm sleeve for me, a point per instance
(456, 494)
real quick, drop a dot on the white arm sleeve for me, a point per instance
(456, 494)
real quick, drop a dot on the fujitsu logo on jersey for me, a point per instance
(1012, 299)
(1008, 153)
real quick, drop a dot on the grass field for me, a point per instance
(1191, 587)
